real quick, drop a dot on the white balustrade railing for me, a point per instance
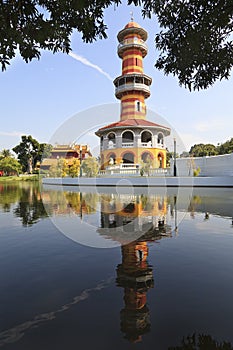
(127, 144)
(132, 86)
(132, 41)
(134, 170)
(131, 144)
(111, 145)
(145, 144)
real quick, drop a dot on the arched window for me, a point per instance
(111, 140)
(127, 137)
(128, 158)
(146, 137)
(160, 138)
(112, 136)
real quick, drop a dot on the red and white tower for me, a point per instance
(133, 86)
(133, 139)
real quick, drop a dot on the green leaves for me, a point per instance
(195, 41)
(29, 151)
(90, 167)
(194, 44)
(201, 150)
(10, 166)
(34, 25)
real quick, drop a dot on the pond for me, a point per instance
(115, 268)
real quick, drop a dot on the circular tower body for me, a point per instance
(133, 140)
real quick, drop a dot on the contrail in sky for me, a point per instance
(88, 63)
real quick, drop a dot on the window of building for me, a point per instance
(146, 136)
(128, 158)
(138, 106)
(160, 138)
(127, 136)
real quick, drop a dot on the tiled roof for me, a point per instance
(132, 122)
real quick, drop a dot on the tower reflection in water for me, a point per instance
(133, 221)
(135, 275)
(144, 218)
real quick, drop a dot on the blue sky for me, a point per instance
(37, 98)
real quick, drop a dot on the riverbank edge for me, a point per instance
(218, 181)
(21, 178)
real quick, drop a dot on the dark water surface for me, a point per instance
(111, 270)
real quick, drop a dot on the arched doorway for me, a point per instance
(128, 158)
(160, 160)
(112, 158)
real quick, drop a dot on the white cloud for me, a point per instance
(12, 134)
(89, 64)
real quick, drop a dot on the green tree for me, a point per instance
(10, 166)
(29, 151)
(226, 147)
(60, 169)
(5, 153)
(90, 167)
(169, 156)
(184, 154)
(44, 151)
(201, 150)
(194, 41)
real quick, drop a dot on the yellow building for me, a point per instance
(67, 152)
(132, 140)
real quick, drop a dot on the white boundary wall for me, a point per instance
(179, 181)
(210, 166)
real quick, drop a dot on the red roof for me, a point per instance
(132, 122)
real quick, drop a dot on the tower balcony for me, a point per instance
(129, 87)
(132, 44)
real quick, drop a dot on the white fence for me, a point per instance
(132, 170)
(209, 166)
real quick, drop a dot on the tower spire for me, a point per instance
(131, 16)
(133, 86)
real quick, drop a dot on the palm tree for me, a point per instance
(5, 153)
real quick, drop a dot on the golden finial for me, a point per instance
(131, 14)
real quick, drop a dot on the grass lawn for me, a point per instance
(33, 177)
